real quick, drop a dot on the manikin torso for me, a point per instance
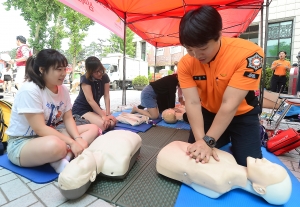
(213, 179)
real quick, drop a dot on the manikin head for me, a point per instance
(169, 116)
(81, 170)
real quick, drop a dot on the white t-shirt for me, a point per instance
(31, 99)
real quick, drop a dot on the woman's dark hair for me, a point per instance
(199, 26)
(21, 39)
(44, 59)
(283, 52)
(91, 65)
(8, 66)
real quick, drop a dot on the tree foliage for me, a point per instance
(37, 14)
(116, 44)
(77, 25)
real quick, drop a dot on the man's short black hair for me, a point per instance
(21, 39)
(282, 51)
(199, 26)
(294, 65)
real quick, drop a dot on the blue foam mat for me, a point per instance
(122, 128)
(140, 128)
(237, 197)
(177, 125)
(41, 174)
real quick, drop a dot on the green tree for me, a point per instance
(117, 44)
(37, 14)
(57, 32)
(94, 49)
(77, 25)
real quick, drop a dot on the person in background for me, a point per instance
(7, 76)
(279, 68)
(39, 106)
(220, 100)
(23, 52)
(158, 96)
(93, 85)
(76, 74)
(175, 66)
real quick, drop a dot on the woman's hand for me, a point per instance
(83, 143)
(76, 148)
(111, 117)
(201, 152)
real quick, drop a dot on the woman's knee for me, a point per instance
(54, 146)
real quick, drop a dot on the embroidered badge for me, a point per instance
(199, 77)
(251, 75)
(223, 74)
(255, 62)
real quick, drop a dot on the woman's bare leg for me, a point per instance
(88, 132)
(94, 119)
(4, 86)
(152, 113)
(9, 86)
(42, 150)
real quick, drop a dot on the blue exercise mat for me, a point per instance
(177, 125)
(140, 128)
(237, 197)
(122, 128)
(41, 174)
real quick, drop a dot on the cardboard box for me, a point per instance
(270, 100)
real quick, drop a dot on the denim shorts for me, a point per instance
(15, 145)
(148, 97)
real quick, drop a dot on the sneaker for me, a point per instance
(141, 107)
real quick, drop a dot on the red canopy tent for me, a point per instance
(157, 21)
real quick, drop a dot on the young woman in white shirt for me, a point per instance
(42, 103)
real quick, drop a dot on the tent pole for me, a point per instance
(155, 60)
(261, 86)
(124, 66)
(265, 54)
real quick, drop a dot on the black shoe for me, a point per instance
(140, 107)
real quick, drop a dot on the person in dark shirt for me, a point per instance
(158, 96)
(93, 85)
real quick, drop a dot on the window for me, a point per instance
(251, 34)
(279, 39)
(143, 51)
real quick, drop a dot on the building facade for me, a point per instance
(283, 34)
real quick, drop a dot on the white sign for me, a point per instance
(160, 51)
(175, 49)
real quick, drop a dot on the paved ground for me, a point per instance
(18, 191)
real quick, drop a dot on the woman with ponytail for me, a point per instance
(42, 103)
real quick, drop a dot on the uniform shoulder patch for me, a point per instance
(255, 62)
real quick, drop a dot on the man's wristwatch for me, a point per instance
(211, 142)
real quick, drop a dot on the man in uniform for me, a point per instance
(218, 78)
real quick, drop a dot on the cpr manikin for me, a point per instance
(171, 116)
(261, 177)
(110, 155)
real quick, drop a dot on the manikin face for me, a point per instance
(282, 55)
(262, 173)
(206, 52)
(98, 73)
(54, 77)
(109, 124)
